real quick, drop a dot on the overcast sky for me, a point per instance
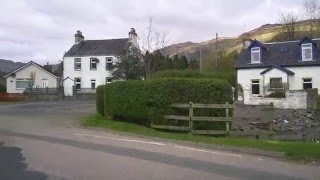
(42, 30)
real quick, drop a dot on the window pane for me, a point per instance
(23, 84)
(276, 82)
(108, 80)
(77, 64)
(255, 56)
(255, 89)
(306, 45)
(307, 83)
(307, 53)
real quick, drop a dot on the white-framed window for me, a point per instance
(255, 55)
(44, 83)
(255, 86)
(276, 83)
(77, 64)
(109, 63)
(93, 84)
(93, 63)
(77, 82)
(23, 83)
(108, 80)
(306, 50)
(307, 83)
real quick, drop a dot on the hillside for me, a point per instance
(265, 33)
(7, 66)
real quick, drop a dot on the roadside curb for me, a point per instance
(233, 149)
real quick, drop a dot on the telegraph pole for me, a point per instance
(200, 59)
(217, 51)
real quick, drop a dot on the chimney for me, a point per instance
(246, 43)
(78, 37)
(133, 36)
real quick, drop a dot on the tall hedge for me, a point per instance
(143, 101)
(100, 99)
(3, 89)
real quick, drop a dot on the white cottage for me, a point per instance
(30, 75)
(88, 63)
(292, 66)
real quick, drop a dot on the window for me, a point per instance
(44, 83)
(255, 55)
(307, 83)
(23, 83)
(255, 87)
(77, 83)
(306, 52)
(93, 83)
(93, 63)
(108, 80)
(109, 63)
(77, 64)
(275, 82)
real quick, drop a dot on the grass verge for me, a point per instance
(293, 150)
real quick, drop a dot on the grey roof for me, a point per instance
(280, 68)
(26, 65)
(7, 66)
(283, 54)
(98, 47)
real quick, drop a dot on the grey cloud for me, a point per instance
(44, 30)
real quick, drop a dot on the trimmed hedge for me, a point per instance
(3, 89)
(100, 100)
(143, 101)
(229, 76)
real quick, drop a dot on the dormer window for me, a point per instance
(255, 55)
(306, 50)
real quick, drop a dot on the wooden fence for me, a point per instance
(191, 118)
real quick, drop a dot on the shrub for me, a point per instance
(277, 94)
(3, 89)
(100, 99)
(229, 76)
(143, 101)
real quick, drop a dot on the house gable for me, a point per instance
(29, 64)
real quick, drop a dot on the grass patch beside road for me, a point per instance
(293, 150)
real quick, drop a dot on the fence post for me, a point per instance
(190, 116)
(227, 115)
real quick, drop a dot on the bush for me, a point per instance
(277, 94)
(3, 89)
(143, 101)
(229, 76)
(100, 100)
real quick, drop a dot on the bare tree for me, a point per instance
(312, 13)
(32, 78)
(152, 40)
(289, 26)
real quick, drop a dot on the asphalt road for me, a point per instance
(42, 140)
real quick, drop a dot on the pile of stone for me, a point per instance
(296, 120)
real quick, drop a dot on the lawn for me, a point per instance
(293, 150)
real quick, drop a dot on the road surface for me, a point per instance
(42, 140)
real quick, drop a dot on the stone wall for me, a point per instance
(284, 124)
(294, 99)
(292, 124)
(252, 120)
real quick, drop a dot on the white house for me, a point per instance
(88, 63)
(30, 75)
(263, 68)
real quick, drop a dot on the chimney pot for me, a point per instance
(78, 37)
